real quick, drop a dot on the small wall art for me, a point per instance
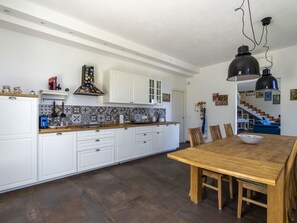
(276, 99)
(268, 96)
(259, 94)
(165, 97)
(293, 94)
(223, 100)
(215, 96)
(249, 93)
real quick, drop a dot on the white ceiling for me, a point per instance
(199, 33)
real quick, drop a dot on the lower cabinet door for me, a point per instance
(57, 155)
(90, 159)
(144, 147)
(157, 141)
(18, 163)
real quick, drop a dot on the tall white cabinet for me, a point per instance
(18, 141)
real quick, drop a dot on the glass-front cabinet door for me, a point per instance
(155, 92)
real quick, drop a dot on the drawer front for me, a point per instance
(158, 128)
(95, 134)
(95, 144)
(144, 136)
(140, 130)
(95, 158)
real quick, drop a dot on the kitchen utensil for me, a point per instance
(54, 114)
(63, 115)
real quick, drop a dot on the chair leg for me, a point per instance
(220, 192)
(248, 195)
(231, 187)
(239, 203)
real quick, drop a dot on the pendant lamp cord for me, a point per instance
(254, 40)
(267, 48)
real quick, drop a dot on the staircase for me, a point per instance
(255, 111)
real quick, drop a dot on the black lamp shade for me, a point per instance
(266, 82)
(244, 66)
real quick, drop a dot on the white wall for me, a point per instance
(260, 103)
(28, 62)
(211, 80)
(285, 67)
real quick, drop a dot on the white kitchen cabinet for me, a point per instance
(167, 143)
(122, 87)
(143, 139)
(158, 138)
(139, 86)
(95, 149)
(124, 144)
(171, 136)
(18, 141)
(117, 86)
(155, 92)
(175, 135)
(57, 155)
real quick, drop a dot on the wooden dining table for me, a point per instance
(264, 162)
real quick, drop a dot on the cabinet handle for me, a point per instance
(144, 134)
(59, 134)
(12, 98)
(97, 130)
(97, 140)
(97, 150)
(158, 132)
(144, 141)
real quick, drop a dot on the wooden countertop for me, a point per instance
(74, 128)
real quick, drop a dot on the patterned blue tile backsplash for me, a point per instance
(97, 114)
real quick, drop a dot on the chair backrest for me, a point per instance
(215, 132)
(228, 130)
(196, 137)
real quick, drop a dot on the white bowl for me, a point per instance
(250, 139)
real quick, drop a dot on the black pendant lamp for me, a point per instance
(244, 66)
(266, 82)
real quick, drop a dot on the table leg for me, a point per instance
(276, 201)
(196, 184)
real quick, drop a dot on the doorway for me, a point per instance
(178, 111)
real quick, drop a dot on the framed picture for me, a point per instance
(250, 93)
(166, 97)
(259, 94)
(215, 96)
(268, 96)
(293, 94)
(276, 99)
(223, 100)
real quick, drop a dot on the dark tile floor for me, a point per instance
(149, 190)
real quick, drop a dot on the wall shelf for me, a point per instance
(51, 95)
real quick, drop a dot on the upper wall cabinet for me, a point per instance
(155, 92)
(122, 87)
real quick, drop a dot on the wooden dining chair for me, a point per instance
(228, 130)
(215, 132)
(196, 138)
(262, 188)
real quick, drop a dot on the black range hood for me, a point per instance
(87, 83)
